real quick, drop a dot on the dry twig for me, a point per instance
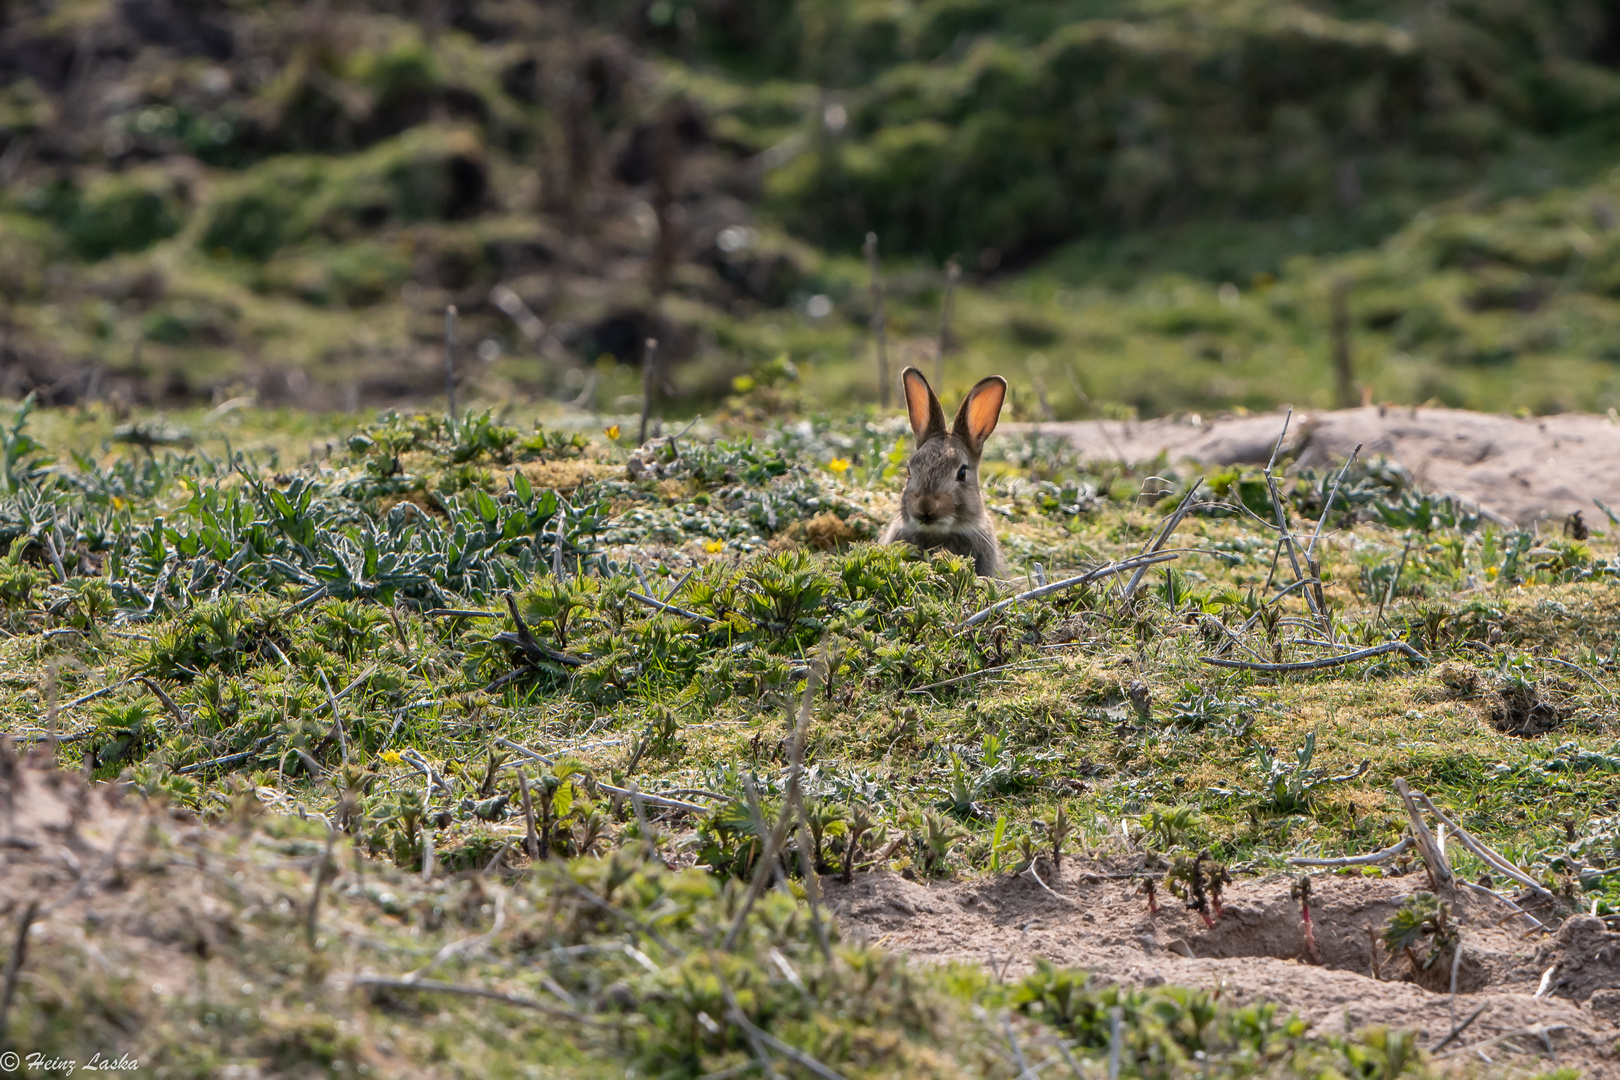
(322, 871)
(1359, 860)
(1439, 869)
(1107, 570)
(982, 671)
(1517, 910)
(433, 986)
(1458, 1029)
(1488, 855)
(1321, 662)
(532, 839)
(1539, 1030)
(671, 608)
(14, 962)
(174, 710)
(1158, 539)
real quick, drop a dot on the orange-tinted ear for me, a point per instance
(980, 411)
(927, 418)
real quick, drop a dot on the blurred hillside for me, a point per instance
(1153, 202)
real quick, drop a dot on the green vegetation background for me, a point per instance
(1152, 201)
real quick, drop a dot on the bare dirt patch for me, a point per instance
(1257, 952)
(1518, 469)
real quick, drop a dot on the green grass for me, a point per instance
(302, 569)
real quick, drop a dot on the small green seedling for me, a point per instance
(1424, 919)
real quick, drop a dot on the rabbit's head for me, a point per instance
(942, 493)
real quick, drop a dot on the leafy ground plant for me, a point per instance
(511, 658)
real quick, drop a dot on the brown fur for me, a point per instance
(942, 506)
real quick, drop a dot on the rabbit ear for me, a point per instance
(927, 418)
(980, 410)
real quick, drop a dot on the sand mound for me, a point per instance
(1257, 952)
(1519, 470)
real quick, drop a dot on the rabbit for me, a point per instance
(941, 506)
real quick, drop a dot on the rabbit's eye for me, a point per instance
(961, 474)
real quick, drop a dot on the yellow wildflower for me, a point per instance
(613, 432)
(393, 757)
(714, 547)
(839, 465)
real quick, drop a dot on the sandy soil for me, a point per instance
(1519, 470)
(1257, 951)
(109, 871)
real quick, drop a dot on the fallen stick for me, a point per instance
(337, 721)
(466, 944)
(314, 767)
(1322, 662)
(14, 962)
(173, 709)
(1537, 1030)
(1490, 857)
(32, 737)
(787, 1050)
(1067, 900)
(333, 699)
(1359, 860)
(655, 800)
(228, 759)
(94, 694)
(671, 608)
(308, 599)
(1459, 1029)
(700, 793)
(1106, 570)
(1517, 910)
(640, 927)
(982, 671)
(1439, 869)
(1209, 622)
(464, 990)
(531, 841)
(533, 651)
(425, 767)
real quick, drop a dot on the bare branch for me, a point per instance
(1439, 869)
(1323, 662)
(433, 986)
(1107, 570)
(1359, 860)
(671, 608)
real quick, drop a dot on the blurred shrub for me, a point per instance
(190, 320)
(403, 81)
(1013, 126)
(117, 213)
(427, 174)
